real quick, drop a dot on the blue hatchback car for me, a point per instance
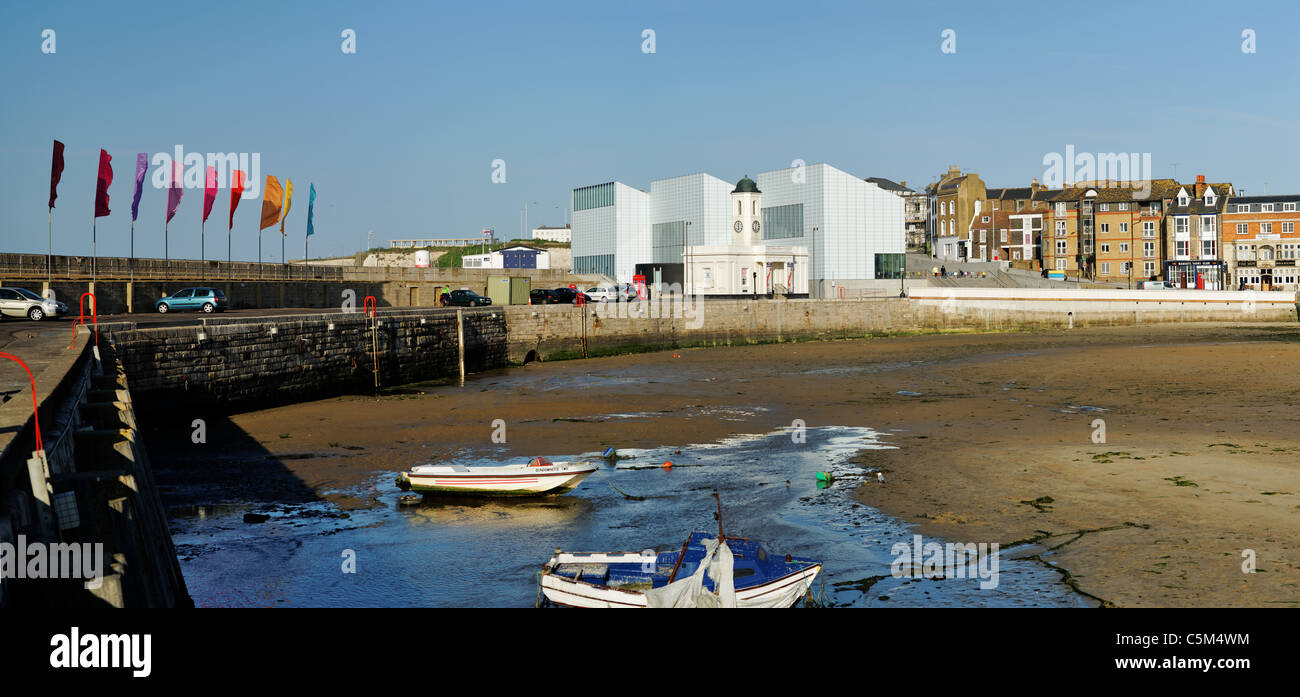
(200, 299)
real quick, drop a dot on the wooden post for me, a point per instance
(460, 342)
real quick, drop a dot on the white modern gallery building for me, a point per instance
(821, 228)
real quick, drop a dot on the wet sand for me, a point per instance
(994, 436)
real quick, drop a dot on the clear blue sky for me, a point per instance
(399, 138)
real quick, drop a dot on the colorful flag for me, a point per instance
(288, 201)
(56, 171)
(141, 166)
(271, 198)
(175, 192)
(209, 192)
(311, 204)
(236, 192)
(104, 181)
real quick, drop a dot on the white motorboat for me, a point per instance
(540, 477)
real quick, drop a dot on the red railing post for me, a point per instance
(36, 417)
(81, 319)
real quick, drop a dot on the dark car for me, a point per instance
(569, 296)
(464, 298)
(201, 299)
(542, 296)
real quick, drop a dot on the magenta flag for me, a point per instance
(209, 192)
(174, 192)
(101, 186)
(141, 166)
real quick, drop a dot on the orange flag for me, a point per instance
(272, 196)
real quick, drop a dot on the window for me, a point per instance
(1123, 227)
(1060, 228)
(1149, 228)
(1181, 247)
(1123, 206)
(1181, 225)
(1209, 249)
(1105, 228)
(984, 237)
(1149, 268)
(1103, 207)
(1105, 248)
(1266, 228)
(1267, 208)
(784, 222)
(1148, 249)
(1060, 248)
(1209, 199)
(985, 219)
(1288, 227)
(1182, 199)
(1243, 207)
(1060, 264)
(1060, 209)
(1208, 224)
(1242, 228)
(1105, 268)
(1288, 207)
(1004, 235)
(1123, 247)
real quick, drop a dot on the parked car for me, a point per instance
(542, 296)
(20, 302)
(464, 298)
(569, 296)
(200, 299)
(616, 293)
(1158, 285)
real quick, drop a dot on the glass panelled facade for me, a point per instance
(667, 241)
(593, 196)
(889, 265)
(783, 222)
(599, 263)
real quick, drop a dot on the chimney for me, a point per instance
(1035, 186)
(1200, 185)
(903, 183)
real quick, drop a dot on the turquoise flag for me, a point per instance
(311, 203)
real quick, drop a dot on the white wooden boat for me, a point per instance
(540, 477)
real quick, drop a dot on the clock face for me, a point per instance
(740, 227)
(755, 226)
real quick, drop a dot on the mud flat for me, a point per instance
(993, 435)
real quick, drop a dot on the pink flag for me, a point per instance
(174, 192)
(209, 192)
(236, 192)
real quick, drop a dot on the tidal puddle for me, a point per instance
(453, 552)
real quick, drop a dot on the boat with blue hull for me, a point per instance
(710, 570)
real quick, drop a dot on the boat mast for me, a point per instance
(721, 537)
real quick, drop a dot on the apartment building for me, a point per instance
(1193, 237)
(952, 203)
(1260, 242)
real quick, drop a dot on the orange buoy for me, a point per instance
(668, 464)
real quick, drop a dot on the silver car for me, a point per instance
(20, 302)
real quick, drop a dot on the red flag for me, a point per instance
(209, 192)
(236, 191)
(56, 171)
(101, 187)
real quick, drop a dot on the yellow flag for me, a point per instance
(288, 199)
(271, 196)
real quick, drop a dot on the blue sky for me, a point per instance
(400, 136)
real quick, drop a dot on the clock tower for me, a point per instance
(746, 213)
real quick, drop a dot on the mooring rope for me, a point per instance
(611, 485)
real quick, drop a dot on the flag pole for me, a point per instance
(203, 253)
(49, 246)
(167, 258)
(133, 250)
(259, 253)
(94, 246)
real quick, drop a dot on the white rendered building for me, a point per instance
(553, 234)
(743, 265)
(853, 231)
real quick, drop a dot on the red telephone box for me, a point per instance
(639, 281)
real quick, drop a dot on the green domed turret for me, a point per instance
(746, 186)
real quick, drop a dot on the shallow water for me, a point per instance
(487, 552)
